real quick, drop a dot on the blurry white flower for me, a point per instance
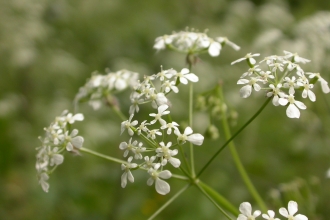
(188, 135)
(225, 41)
(127, 175)
(73, 141)
(127, 147)
(127, 125)
(43, 177)
(248, 57)
(292, 209)
(324, 84)
(270, 215)
(158, 117)
(169, 126)
(292, 111)
(184, 76)
(246, 210)
(161, 186)
(246, 90)
(167, 155)
(296, 57)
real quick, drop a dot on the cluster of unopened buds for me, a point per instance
(290, 213)
(156, 130)
(58, 139)
(281, 79)
(191, 42)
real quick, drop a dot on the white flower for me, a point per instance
(248, 57)
(246, 210)
(55, 158)
(43, 177)
(165, 74)
(292, 111)
(276, 93)
(70, 118)
(292, 209)
(246, 90)
(152, 133)
(73, 141)
(307, 91)
(214, 49)
(158, 99)
(136, 101)
(149, 162)
(225, 41)
(158, 116)
(172, 125)
(161, 186)
(127, 125)
(296, 57)
(170, 85)
(187, 135)
(127, 146)
(324, 84)
(161, 42)
(138, 151)
(291, 84)
(142, 127)
(270, 215)
(167, 155)
(127, 175)
(184, 76)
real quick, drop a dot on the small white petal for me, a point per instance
(196, 139)
(300, 105)
(192, 77)
(77, 141)
(245, 208)
(214, 49)
(292, 111)
(162, 187)
(245, 91)
(284, 212)
(292, 207)
(165, 174)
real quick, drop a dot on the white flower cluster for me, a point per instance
(99, 86)
(157, 130)
(191, 42)
(58, 138)
(246, 210)
(282, 78)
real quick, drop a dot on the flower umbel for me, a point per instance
(55, 142)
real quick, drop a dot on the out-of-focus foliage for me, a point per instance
(49, 48)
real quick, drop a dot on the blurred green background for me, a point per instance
(49, 48)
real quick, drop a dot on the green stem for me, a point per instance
(240, 166)
(192, 162)
(237, 159)
(230, 139)
(214, 197)
(169, 202)
(219, 198)
(102, 155)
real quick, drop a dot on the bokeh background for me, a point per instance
(49, 48)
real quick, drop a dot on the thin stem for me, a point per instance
(184, 157)
(230, 139)
(102, 155)
(237, 159)
(240, 166)
(218, 198)
(191, 92)
(169, 202)
(213, 201)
